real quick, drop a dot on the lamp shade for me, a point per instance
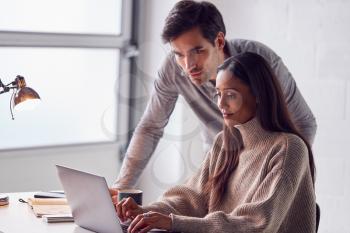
(26, 98)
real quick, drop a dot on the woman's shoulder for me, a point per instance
(291, 142)
(219, 136)
(289, 149)
(218, 141)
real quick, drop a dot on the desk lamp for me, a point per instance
(23, 97)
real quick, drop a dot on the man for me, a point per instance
(196, 33)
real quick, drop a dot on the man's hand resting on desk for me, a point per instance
(143, 221)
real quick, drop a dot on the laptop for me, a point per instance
(90, 201)
(88, 197)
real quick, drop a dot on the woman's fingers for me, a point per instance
(129, 204)
(150, 220)
(146, 229)
(127, 208)
(132, 213)
(142, 223)
(136, 222)
(119, 208)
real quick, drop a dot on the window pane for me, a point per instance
(78, 91)
(64, 16)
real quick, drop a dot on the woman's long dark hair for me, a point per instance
(272, 112)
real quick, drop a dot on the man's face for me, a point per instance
(197, 57)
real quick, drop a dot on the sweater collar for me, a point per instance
(252, 132)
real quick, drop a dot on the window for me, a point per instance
(71, 53)
(62, 16)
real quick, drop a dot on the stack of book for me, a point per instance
(51, 209)
(58, 218)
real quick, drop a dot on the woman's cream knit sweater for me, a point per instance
(271, 190)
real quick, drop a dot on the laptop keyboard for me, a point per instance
(124, 228)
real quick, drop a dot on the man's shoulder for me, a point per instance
(169, 63)
(238, 46)
(246, 44)
(169, 69)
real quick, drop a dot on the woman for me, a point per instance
(259, 175)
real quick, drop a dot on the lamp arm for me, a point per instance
(3, 87)
(6, 88)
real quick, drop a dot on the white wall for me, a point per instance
(313, 38)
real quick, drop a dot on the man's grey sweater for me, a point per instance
(171, 83)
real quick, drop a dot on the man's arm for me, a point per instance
(298, 109)
(151, 126)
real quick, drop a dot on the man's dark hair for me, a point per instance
(188, 14)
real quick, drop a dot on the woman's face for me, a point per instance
(234, 98)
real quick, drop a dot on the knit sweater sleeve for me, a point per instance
(188, 199)
(267, 209)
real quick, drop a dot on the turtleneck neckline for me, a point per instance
(252, 132)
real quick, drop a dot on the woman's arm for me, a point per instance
(255, 216)
(187, 199)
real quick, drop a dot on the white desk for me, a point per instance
(17, 217)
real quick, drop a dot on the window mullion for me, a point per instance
(33, 39)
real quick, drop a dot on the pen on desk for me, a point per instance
(21, 200)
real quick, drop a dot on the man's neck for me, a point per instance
(226, 50)
(223, 56)
(213, 82)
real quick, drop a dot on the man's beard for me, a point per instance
(205, 77)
